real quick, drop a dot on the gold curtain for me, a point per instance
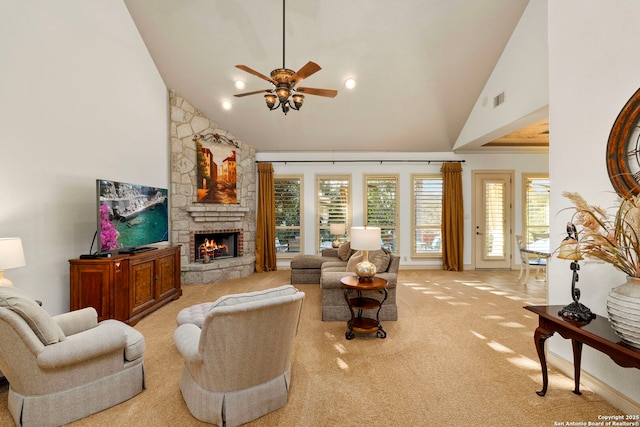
(266, 220)
(452, 217)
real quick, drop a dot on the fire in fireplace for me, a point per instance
(212, 246)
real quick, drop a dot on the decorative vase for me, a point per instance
(623, 307)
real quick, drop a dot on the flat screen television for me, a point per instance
(130, 216)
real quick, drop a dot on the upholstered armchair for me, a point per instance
(238, 366)
(65, 367)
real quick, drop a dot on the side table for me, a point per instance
(359, 303)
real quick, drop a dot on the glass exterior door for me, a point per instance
(492, 215)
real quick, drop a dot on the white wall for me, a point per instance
(519, 163)
(522, 75)
(594, 58)
(80, 99)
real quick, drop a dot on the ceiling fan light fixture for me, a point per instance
(285, 80)
(270, 99)
(283, 93)
(298, 99)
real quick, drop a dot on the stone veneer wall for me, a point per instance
(188, 216)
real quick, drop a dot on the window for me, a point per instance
(288, 201)
(381, 201)
(427, 215)
(332, 206)
(535, 223)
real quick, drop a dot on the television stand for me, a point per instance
(126, 287)
(138, 250)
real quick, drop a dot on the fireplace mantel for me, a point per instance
(217, 213)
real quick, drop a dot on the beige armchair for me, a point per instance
(238, 366)
(66, 367)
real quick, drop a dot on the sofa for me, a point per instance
(335, 263)
(65, 367)
(237, 353)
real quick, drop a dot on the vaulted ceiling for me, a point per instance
(420, 66)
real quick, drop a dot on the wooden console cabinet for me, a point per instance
(126, 287)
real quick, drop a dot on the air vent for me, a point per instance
(498, 99)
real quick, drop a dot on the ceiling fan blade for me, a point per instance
(255, 73)
(253, 93)
(329, 93)
(308, 69)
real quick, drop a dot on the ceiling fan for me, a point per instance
(284, 83)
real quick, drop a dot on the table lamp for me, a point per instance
(365, 239)
(11, 256)
(570, 249)
(337, 230)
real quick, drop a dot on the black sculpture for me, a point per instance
(575, 311)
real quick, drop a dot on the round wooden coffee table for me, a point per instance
(358, 303)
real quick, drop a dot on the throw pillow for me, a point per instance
(42, 324)
(344, 251)
(379, 258)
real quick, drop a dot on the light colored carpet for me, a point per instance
(461, 353)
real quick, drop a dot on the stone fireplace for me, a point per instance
(230, 226)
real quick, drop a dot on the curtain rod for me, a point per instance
(359, 161)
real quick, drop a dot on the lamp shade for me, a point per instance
(11, 253)
(569, 249)
(365, 238)
(337, 229)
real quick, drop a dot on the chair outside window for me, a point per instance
(281, 247)
(530, 261)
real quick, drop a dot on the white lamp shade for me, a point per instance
(11, 253)
(365, 238)
(337, 229)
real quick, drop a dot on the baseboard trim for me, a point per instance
(419, 267)
(608, 393)
(401, 267)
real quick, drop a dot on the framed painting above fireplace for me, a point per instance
(216, 173)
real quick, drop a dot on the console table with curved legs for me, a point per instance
(597, 334)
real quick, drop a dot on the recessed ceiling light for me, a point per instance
(240, 84)
(226, 105)
(350, 83)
